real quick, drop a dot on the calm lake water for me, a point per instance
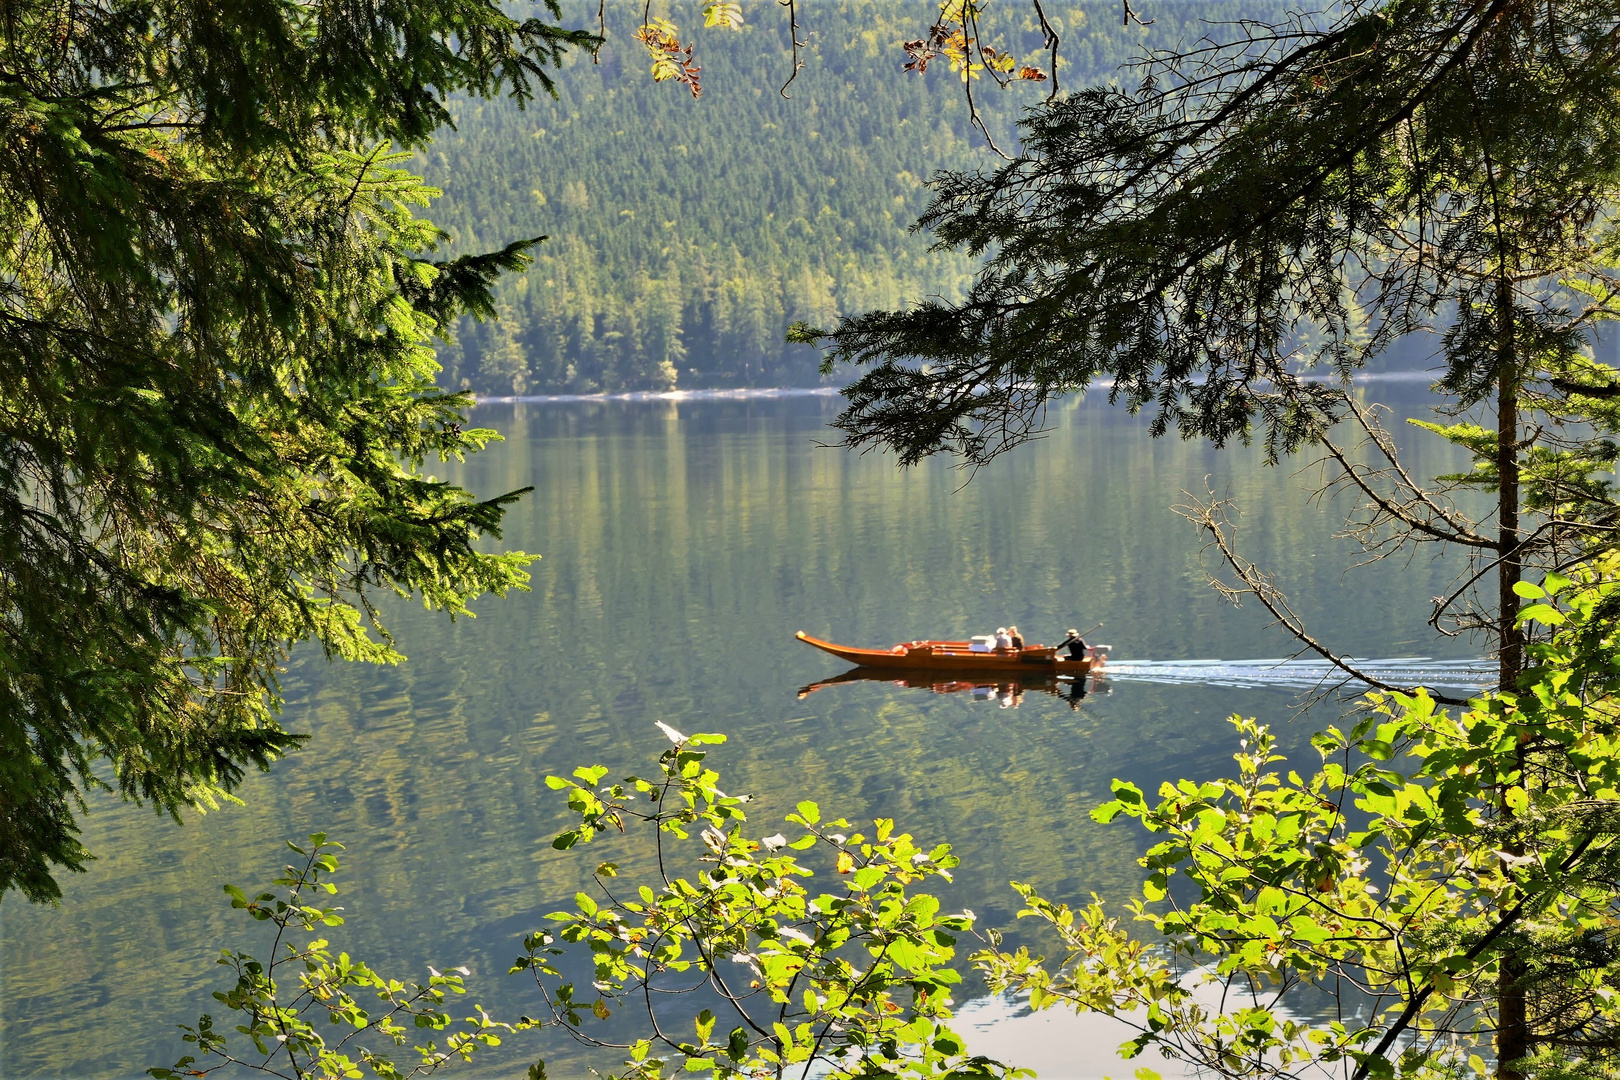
(683, 544)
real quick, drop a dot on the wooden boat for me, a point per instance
(958, 656)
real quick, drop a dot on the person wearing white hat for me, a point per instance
(1075, 644)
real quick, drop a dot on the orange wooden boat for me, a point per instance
(957, 656)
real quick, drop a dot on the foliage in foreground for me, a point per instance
(216, 378)
(854, 980)
(283, 1002)
(775, 979)
(1394, 883)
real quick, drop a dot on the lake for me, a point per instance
(683, 543)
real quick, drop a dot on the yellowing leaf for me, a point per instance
(724, 15)
(846, 862)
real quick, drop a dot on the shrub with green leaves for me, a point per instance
(854, 980)
(1434, 864)
(284, 1003)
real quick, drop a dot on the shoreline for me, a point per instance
(663, 395)
(766, 392)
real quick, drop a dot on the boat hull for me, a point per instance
(955, 656)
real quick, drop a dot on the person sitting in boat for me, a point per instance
(1003, 639)
(1075, 644)
(1016, 638)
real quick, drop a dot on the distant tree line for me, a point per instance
(686, 235)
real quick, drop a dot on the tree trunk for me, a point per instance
(1513, 1031)
(1510, 642)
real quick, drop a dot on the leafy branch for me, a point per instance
(1428, 854)
(853, 981)
(280, 1001)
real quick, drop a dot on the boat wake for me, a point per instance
(1307, 674)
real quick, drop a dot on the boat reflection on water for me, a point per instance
(1008, 692)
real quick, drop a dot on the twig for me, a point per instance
(1211, 518)
(793, 36)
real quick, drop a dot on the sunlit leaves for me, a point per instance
(1426, 847)
(957, 36)
(728, 16)
(671, 61)
(843, 982)
(302, 1010)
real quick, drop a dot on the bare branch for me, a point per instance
(1213, 518)
(793, 36)
(1460, 527)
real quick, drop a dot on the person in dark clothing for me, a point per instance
(1017, 638)
(1075, 644)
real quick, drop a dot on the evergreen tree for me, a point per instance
(216, 376)
(1314, 194)
(1305, 196)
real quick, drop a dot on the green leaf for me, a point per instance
(810, 812)
(867, 876)
(1127, 793)
(1545, 614)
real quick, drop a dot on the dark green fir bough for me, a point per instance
(216, 377)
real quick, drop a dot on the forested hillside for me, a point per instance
(686, 234)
